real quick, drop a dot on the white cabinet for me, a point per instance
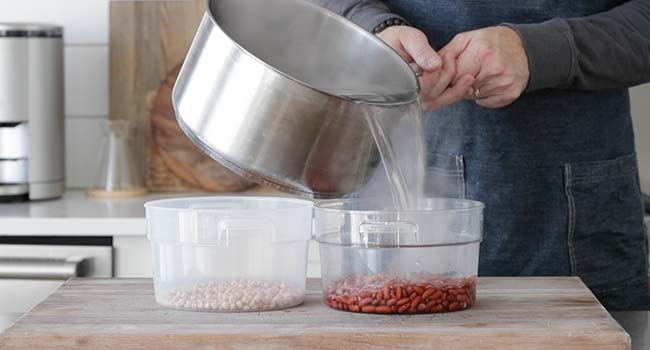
(132, 256)
(19, 294)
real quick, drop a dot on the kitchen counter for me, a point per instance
(76, 214)
(525, 313)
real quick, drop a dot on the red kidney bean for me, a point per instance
(365, 301)
(402, 301)
(379, 294)
(414, 304)
(382, 310)
(368, 309)
(427, 293)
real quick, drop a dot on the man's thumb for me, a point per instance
(415, 43)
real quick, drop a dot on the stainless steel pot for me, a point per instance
(273, 90)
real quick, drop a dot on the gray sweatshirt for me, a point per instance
(602, 51)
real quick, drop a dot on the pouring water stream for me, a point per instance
(399, 137)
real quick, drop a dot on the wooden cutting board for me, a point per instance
(511, 313)
(148, 42)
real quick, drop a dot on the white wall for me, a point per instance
(86, 56)
(85, 25)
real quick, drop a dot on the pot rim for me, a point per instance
(344, 21)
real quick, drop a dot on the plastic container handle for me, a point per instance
(388, 232)
(229, 228)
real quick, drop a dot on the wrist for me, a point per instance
(394, 21)
(550, 51)
(516, 50)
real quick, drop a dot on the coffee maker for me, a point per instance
(31, 111)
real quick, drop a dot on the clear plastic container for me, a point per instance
(229, 253)
(375, 260)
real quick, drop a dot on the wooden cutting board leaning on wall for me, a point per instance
(148, 42)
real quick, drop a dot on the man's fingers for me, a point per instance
(451, 95)
(497, 94)
(467, 64)
(439, 82)
(493, 86)
(416, 44)
(490, 69)
(456, 46)
(496, 101)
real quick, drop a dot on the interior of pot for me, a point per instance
(317, 48)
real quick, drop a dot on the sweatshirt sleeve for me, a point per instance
(602, 51)
(366, 13)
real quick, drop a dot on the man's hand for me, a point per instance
(435, 89)
(495, 56)
(413, 46)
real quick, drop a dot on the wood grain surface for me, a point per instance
(148, 41)
(511, 313)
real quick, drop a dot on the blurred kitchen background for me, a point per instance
(111, 233)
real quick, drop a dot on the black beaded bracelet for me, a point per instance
(388, 23)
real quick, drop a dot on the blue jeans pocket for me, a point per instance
(606, 238)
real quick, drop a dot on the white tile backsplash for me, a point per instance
(83, 137)
(86, 81)
(86, 24)
(84, 21)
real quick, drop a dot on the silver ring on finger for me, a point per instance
(477, 94)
